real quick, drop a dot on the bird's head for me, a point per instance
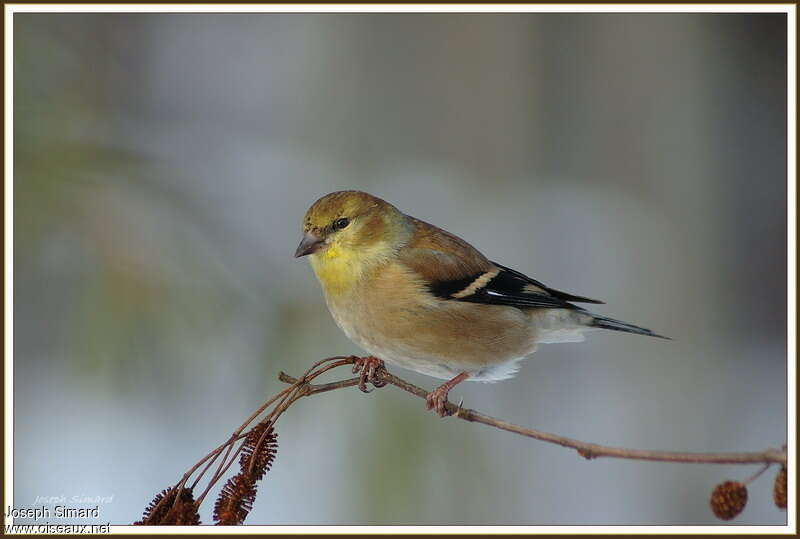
(348, 225)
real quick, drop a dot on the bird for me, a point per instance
(418, 297)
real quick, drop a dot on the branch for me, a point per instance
(585, 449)
(257, 448)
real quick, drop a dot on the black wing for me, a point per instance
(504, 286)
(552, 291)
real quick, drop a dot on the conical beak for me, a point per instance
(308, 245)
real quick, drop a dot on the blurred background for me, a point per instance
(163, 163)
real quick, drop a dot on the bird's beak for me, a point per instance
(308, 245)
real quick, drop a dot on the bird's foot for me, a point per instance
(437, 399)
(368, 367)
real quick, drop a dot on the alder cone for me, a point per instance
(779, 490)
(728, 499)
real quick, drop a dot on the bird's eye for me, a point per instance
(339, 224)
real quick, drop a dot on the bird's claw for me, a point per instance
(437, 400)
(368, 367)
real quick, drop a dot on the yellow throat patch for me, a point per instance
(339, 267)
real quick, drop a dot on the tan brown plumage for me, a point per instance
(422, 298)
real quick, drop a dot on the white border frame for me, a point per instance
(789, 9)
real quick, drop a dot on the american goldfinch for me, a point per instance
(421, 298)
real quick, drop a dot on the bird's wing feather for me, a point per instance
(454, 270)
(552, 291)
(440, 257)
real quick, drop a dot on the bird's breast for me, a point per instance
(392, 316)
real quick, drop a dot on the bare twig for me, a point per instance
(585, 449)
(302, 387)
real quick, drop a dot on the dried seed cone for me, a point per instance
(779, 490)
(256, 459)
(728, 499)
(184, 513)
(235, 500)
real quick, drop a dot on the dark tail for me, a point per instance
(616, 325)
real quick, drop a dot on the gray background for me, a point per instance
(163, 164)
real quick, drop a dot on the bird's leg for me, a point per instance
(436, 399)
(367, 366)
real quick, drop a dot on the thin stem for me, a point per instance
(301, 387)
(757, 474)
(585, 449)
(288, 396)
